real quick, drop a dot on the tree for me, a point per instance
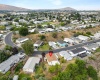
(7, 47)
(62, 24)
(16, 20)
(54, 35)
(14, 50)
(43, 55)
(75, 71)
(39, 26)
(81, 65)
(3, 56)
(23, 31)
(55, 69)
(92, 73)
(88, 33)
(28, 47)
(42, 37)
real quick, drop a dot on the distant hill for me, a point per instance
(68, 8)
(12, 8)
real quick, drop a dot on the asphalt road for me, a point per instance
(8, 39)
(68, 48)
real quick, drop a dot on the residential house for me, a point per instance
(77, 51)
(52, 60)
(49, 30)
(38, 22)
(91, 47)
(98, 43)
(42, 31)
(96, 35)
(30, 64)
(76, 40)
(64, 28)
(38, 43)
(8, 27)
(15, 23)
(53, 44)
(21, 40)
(83, 38)
(1, 35)
(22, 21)
(62, 43)
(3, 23)
(66, 55)
(32, 30)
(68, 40)
(6, 65)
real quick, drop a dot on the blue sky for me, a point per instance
(54, 4)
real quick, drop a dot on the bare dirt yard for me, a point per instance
(60, 35)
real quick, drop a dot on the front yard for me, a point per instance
(45, 47)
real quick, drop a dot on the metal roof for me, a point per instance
(4, 66)
(65, 54)
(77, 50)
(31, 62)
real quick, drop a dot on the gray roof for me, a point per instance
(21, 39)
(74, 38)
(65, 54)
(38, 42)
(61, 42)
(77, 50)
(6, 65)
(91, 46)
(31, 62)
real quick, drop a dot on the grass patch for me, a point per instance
(24, 76)
(44, 47)
(98, 50)
(2, 28)
(19, 67)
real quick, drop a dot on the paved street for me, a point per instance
(68, 48)
(8, 39)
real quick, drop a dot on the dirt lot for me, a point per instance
(49, 37)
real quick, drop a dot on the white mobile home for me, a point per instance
(6, 65)
(30, 64)
(66, 55)
(21, 40)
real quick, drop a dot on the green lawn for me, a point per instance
(44, 47)
(24, 76)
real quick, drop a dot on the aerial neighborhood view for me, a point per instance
(49, 39)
